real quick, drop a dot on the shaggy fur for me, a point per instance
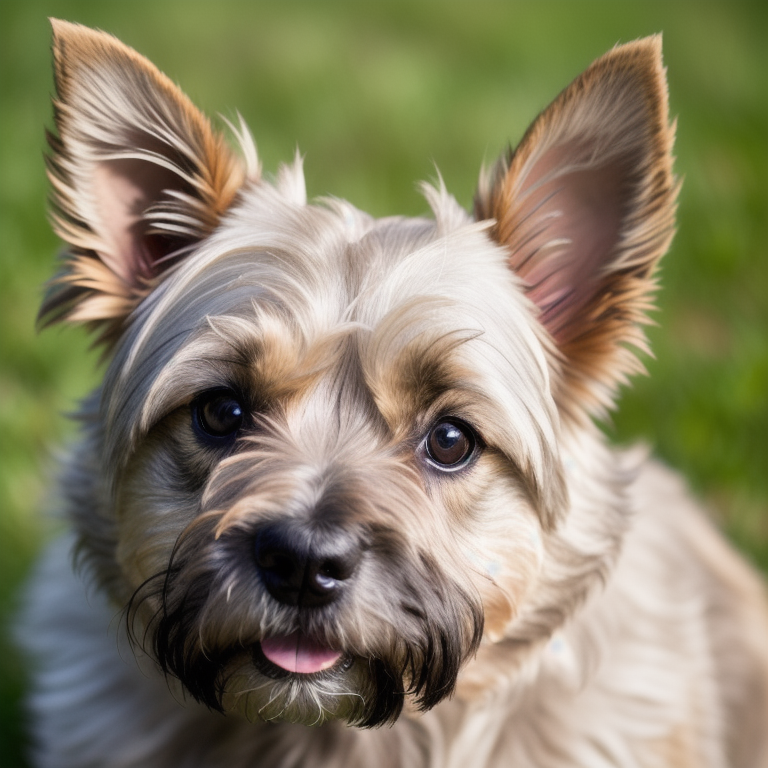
(371, 442)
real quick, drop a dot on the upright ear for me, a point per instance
(138, 176)
(585, 206)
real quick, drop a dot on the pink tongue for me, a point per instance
(297, 653)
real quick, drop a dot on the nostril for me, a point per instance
(337, 568)
(279, 563)
(326, 575)
(325, 583)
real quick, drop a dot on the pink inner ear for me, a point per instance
(565, 229)
(123, 190)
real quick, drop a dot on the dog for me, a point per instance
(341, 499)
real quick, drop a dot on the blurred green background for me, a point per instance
(376, 95)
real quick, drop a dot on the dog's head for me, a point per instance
(335, 458)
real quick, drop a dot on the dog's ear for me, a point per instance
(138, 175)
(585, 205)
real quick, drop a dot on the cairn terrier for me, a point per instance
(340, 499)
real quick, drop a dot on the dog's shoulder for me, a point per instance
(713, 605)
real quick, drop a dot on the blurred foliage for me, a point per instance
(376, 95)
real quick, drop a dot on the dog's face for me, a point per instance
(325, 459)
(328, 454)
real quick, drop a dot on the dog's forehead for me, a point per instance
(329, 265)
(337, 263)
(410, 291)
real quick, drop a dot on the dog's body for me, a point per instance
(342, 472)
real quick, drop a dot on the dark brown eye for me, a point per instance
(450, 444)
(217, 416)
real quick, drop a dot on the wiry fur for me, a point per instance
(552, 602)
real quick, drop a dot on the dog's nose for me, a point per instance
(306, 567)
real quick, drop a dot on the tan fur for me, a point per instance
(279, 374)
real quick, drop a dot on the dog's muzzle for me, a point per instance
(305, 568)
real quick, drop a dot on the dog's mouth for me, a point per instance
(296, 654)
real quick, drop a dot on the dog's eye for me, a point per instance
(450, 444)
(217, 414)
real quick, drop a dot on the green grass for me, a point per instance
(376, 95)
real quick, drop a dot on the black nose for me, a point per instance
(305, 566)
